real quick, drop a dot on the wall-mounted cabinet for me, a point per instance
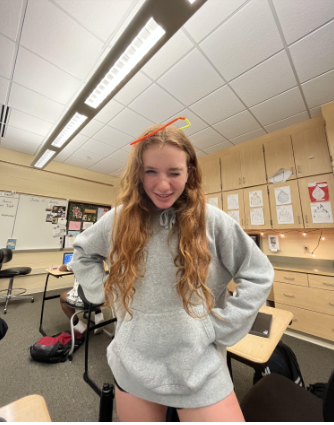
(257, 209)
(233, 205)
(285, 206)
(211, 176)
(279, 154)
(231, 172)
(215, 199)
(317, 200)
(311, 152)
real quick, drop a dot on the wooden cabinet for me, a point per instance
(311, 152)
(285, 207)
(257, 209)
(294, 278)
(216, 198)
(328, 114)
(231, 172)
(211, 176)
(252, 166)
(233, 205)
(317, 215)
(279, 154)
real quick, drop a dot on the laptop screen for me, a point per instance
(67, 257)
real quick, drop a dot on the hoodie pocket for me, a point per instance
(169, 352)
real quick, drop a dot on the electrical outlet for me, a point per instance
(306, 248)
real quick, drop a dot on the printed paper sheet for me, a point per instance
(285, 214)
(235, 215)
(283, 195)
(322, 212)
(233, 201)
(256, 198)
(257, 217)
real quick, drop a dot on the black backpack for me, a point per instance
(284, 362)
(55, 349)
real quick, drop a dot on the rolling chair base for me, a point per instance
(9, 295)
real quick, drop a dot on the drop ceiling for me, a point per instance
(238, 69)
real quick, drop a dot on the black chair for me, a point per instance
(5, 256)
(276, 398)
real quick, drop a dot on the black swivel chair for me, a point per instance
(276, 398)
(5, 256)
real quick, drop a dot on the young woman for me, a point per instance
(171, 258)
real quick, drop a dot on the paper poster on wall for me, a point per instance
(257, 218)
(87, 225)
(101, 212)
(69, 241)
(59, 230)
(280, 176)
(235, 215)
(233, 201)
(11, 244)
(273, 243)
(322, 212)
(213, 201)
(283, 195)
(285, 214)
(256, 198)
(318, 191)
(73, 232)
(74, 225)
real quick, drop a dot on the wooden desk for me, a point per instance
(57, 274)
(27, 409)
(254, 350)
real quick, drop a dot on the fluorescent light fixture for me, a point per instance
(74, 123)
(145, 40)
(47, 155)
(191, 1)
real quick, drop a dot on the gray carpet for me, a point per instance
(67, 396)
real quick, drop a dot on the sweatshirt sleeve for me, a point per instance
(91, 249)
(249, 268)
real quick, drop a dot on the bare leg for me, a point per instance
(69, 311)
(134, 409)
(226, 410)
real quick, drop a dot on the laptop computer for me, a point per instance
(262, 325)
(67, 257)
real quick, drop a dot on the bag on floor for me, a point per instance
(284, 362)
(55, 349)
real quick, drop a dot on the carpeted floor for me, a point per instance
(68, 397)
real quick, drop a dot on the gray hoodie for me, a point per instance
(164, 355)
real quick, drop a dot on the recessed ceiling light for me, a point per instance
(48, 154)
(191, 1)
(74, 123)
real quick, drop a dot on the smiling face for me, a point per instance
(165, 174)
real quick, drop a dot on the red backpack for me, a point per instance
(55, 349)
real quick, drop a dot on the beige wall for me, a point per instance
(63, 181)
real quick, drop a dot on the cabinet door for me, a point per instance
(319, 214)
(279, 154)
(211, 176)
(233, 205)
(215, 199)
(257, 210)
(311, 152)
(231, 171)
(252, 166)
(285, 207)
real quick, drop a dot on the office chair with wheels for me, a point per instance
(276, 398)
(5, 256)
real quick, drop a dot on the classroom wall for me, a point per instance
(59, 181)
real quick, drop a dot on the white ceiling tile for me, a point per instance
(65, 153)
(44, 78)
(218, 147)
(313, 55)
(29, 123)
(209, 16)
(248, 38)
(185, 80)
(100, 19)
(97, 63)
(118, 173)
(78, 141)
(156, 105)
(120, 155)
(21, 136)
(299, 17)
(106, 166)
(112, 137)
(295, 119)
(237, 125)
(219, 105)
(248, 136)
(52, 34)
(279, 107)
(91, 128)
(20, 147)
(320, 90)
(206, 138)
(127, 148)
(316, 112)
(196, 123)
(98, 148)
(133, 88)
(86, 156)
(130, 122)
(107, 113)
(10, 11)
(272, 77)
(199, 154)
(171, 52)
(28, 101)
(77, 162)
(7, 48)
(4, 84)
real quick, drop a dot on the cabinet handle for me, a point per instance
(292, 170)
(328, 284)
(298, 168)
(294, 320)
(306, 219)
(292, 296)
(244, 179)
(289, 278)
(332, 304)
(239, 180)
(299, 219)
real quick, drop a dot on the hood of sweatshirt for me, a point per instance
(167, 217)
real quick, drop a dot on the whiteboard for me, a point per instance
(31, 229)
(8, 208)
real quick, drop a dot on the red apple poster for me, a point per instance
(318, 191)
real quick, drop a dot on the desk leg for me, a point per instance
(40, 324)
(229, 364)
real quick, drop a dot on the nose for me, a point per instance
(163, 183)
